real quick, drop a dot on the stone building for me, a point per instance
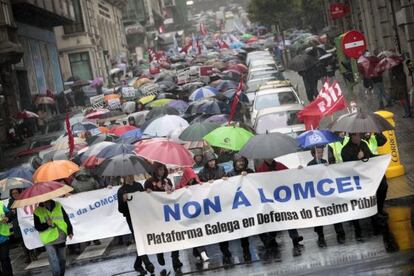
(96, 39)
(29, 62)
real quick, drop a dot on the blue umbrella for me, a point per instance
(314, 138)
(179, 105)
(83, 126)
(23, 171)
(226, 85)
(230, 95)
(135, 133)
(203, 92)
(112, 150)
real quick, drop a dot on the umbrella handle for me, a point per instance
(130, 198)
(365, 160)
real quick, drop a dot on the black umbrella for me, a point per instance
(269, 146)
(160, 111)
(197, 131)
(361, 122)
(302, 63)
(100, 138)
(210, 107)
(124, 165)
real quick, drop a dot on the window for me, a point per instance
(78, 26)
(80, 65)
(275, 99)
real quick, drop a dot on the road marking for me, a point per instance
(42, 260)
(92, 250)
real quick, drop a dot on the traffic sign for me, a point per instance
(353, 44)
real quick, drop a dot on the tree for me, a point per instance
(287, 13)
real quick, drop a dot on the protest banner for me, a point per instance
(243, 206)
(97, 101)
(94, 215)
(128, 92)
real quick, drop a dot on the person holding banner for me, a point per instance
(317, 153)
(53, 225)
(130, 186)
(268, 239)
(5, 218)
(159, 182)
(210, 172)
(240, 167)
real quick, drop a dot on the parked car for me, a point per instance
(281, 119)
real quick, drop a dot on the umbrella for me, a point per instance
(97, 82)
(269, 146)
(102, 137)
(54, 170)
(9, 184)
(97, 114)
(26, 115)
(251, 40)
(162, 126)
(45, 100)
(240, 68)
(119, 130)
(367, 65)
(160, 111)
(103, 130)
(302, 63)
(62, 154)
(388, 62)
(219, 119)
(139, 117)
(197, 131)
(247, 36)
(147, 99)
(83, 127)
(156, 149)
(210, 107)
(115, 149)
(226, 85)
(361, 122)
(124, 165)
(158, 103)
(230, 94)
(135, 133)
(314, 138)
(228, 137)
(140, 82)
(192, 86)
(203, 92)
(63, 143)
(231, 75)
(109, 97)
(22, 171)
(180, 105)
(41, 192)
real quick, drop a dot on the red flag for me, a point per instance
(338, 10)
(235, 101)
(329, 101)
(203, 30)
(70, 136)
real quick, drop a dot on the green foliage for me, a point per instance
(288, 13)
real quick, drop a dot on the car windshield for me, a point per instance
(265, 74)
(275, 99)
(277, 120)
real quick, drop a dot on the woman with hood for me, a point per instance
(240, 167)
(159, 182)
(198, 158)
(210, 172)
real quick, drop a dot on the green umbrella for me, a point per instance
(158, 103)
(247, 36)
(228, 137)
(197, 131)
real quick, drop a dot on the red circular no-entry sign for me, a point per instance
(353, 44)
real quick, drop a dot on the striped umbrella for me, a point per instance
(203, 92)
(41, 192)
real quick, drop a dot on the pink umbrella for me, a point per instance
(367, 65)
(97, 82)
(387, 63)
(97, 114)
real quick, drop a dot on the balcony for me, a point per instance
(43, 13)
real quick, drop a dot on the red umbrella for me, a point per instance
(97, 114)
(235, 71)
(239, 68)
(41, 192)
(119, 130)
(164, 151)
(387, 63)
(367, 66)
(26, 115)
(251, 40)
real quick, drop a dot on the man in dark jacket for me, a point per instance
(268, 239)
(212, 171)
(240, 167)
(130, 186)
(317, 154)
(159, 182)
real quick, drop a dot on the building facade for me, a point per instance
(96, 40)
(387, 24)
(29, 62)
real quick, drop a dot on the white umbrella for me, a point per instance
(164, 125)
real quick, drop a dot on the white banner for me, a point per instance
(94, 215)
(243, 206)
